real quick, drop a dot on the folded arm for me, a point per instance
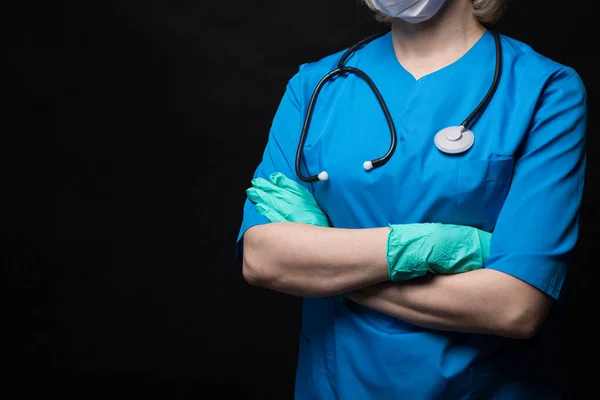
(483, 301)
(311, 261)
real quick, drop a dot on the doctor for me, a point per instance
(488, 333)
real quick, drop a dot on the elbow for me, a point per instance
(253, 274)
(520, 330)
(524, 321)
(255, 267)
(249, 272)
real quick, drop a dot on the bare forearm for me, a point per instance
(312, 261)
(484, 301)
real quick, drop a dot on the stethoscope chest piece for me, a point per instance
(454, 140)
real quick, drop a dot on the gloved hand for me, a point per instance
(281, 199)
(417, 249)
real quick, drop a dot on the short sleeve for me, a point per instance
(538, 225)
(279, 154)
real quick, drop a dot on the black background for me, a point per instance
(130, 132)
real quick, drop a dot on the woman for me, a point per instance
(485, 333)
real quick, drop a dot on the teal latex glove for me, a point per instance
(417, 249)
(281, 199)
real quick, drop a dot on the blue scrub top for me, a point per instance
(523, 180)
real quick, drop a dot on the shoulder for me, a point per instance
(554, 93)
(309, 74)
(537, 71)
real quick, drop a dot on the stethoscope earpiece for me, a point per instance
(323, 176)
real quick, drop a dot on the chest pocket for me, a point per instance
(482, 188)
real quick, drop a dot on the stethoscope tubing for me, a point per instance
(342, 69)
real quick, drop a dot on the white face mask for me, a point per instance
(411, 11)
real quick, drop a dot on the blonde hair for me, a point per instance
(486, 11)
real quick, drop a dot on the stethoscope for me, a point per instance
(450, 140)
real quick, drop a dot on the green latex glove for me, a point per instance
(417, 249)
(281, 199)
